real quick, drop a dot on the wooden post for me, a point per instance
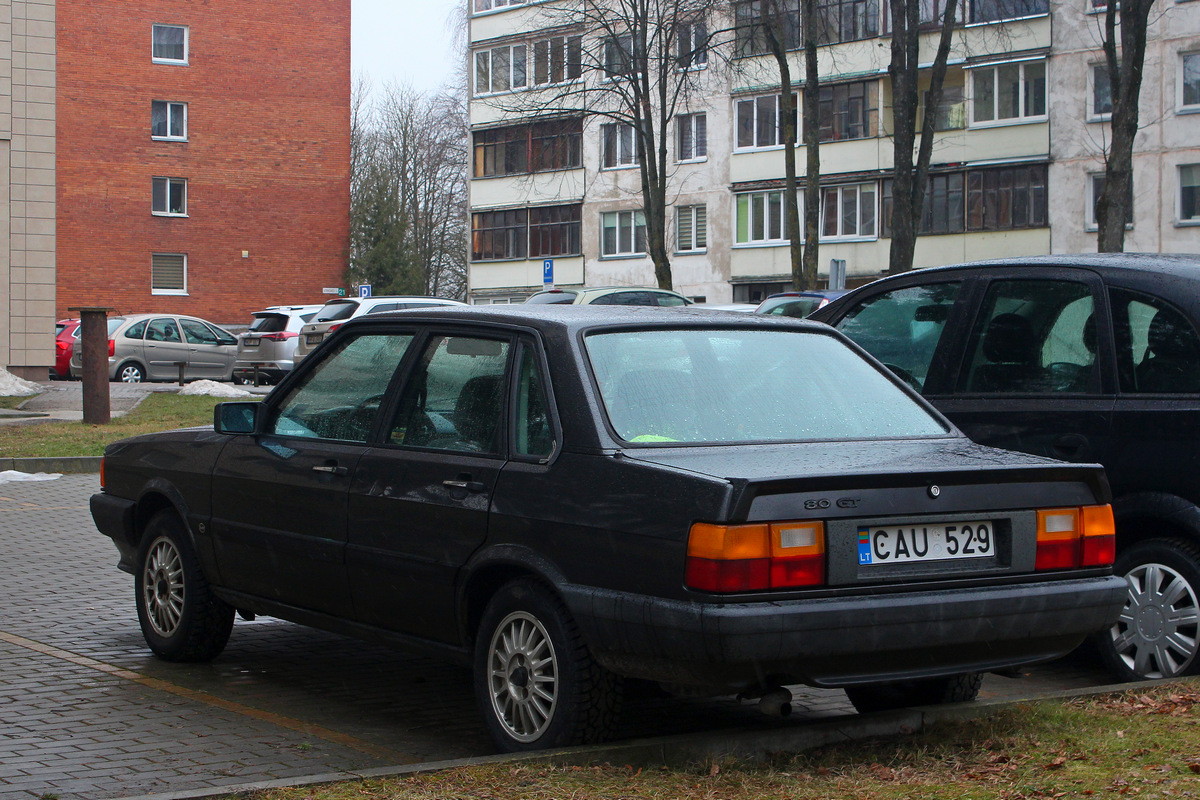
(93, 343)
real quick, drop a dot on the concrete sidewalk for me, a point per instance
(62, 401)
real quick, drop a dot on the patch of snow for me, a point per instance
(214, 389)
(12, 386)
(12, 476)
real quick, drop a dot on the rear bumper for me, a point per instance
(843, 641)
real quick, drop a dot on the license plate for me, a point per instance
(311, 339)
(250, 342)
(896, 544)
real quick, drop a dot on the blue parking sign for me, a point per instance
(548, 271)
(364, 290)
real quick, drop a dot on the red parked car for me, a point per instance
(66, 333)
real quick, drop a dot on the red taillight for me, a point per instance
(102, 472)
(1075, 537)
(741, 558)
(62, 346)
(334, 326)
(278, 336)
(112, 347)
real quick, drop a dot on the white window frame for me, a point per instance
(691, 42)
(621, 136)
(513, 74)
(173, 292)
(186, 41)
(491, 6)
(696, 127)
(764, 213)
(1090, 223)
(182, 110)
(169, 182)
(857, 235)
(737, 101)
(625, 220)
(696, 218)
(1094, 70)
(1180, 106)
(1179, 218)
(1022, 118)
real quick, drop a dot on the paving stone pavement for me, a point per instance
(87, 712)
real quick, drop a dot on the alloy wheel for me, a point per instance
(523, 676)
(1156, 635)
(163, 587)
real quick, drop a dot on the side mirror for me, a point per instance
(236, 418)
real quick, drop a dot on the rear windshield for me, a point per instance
(704, 386)
(336, 311)
(791, 306)
(552, 297)
(269, 323)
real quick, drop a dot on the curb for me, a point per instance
(69, 464)
(689, 748)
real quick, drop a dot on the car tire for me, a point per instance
(1158, 632)
(927, 692)
(131, 372)
(181, 619)
(526, 638)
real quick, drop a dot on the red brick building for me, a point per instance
(203, 154)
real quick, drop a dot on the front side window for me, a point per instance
(996, 10)
(454, 399)
(619, 146)
(622, 233)
(760, 218)
(1033, 337)
(1100, 107)
(1008, 93)
(170, 44)
(168, 273)
(739, 385)
(500, 69)
(902, 327)
(848, 211)
(197, 332)
(1158, 351)
(555, 231)
(1096, 183)
(1189, 193)
(691, 229)
(168, 120)
(758, 122)
(498, 235)
(169, 197)
(692, 143)
(557, 59)
(1189, 82)
(849, 111)
(341, 396)
(846, 20)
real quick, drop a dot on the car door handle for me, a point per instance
(332, 469)
(1070, 445)
(470, 486)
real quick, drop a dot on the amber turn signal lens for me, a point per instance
(741, 558)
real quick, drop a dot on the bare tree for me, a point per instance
(908, 178)
(1124, 66)
(631, 63)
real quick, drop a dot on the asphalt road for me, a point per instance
(86, 711)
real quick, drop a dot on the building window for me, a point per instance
(618, 144)
(848, 212)
(168, 273)
(498, 235)
(758, 122)
(618, 56)
(168, 120)
(169, 197)
(848, 111)
(1100, 102)
(1189, 194)
(557, 60)
(622, 233)
(951, 112)
(500, 69)
(996, 10)
(944, 209)
(846, 20)
(750, 32)
(760, 218)
(1095, 189)
(170, 44)
(488, 5)
(691, 41)
(555, 231)
(520, 149)
(1006, 198)
(693, 137)
(1009, 93)
(691, 229)
(1189, 82)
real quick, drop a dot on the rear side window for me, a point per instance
(902, 328)
(335, 311)
(269, 323)
(1158, 351)
(136, 330)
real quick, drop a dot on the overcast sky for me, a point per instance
(402, 41)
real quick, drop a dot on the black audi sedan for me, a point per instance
(567, 499)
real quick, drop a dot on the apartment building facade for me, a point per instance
(203, 154)
(1020, 137)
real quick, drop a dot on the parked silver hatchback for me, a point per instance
(337, 312)
(265, 350)
(152, 347)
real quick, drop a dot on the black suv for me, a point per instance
(1081, 358)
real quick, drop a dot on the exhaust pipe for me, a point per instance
(776, 703)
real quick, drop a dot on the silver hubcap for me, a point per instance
(162, 587)
(1156, 634)
(523, 676)
(131, 375)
